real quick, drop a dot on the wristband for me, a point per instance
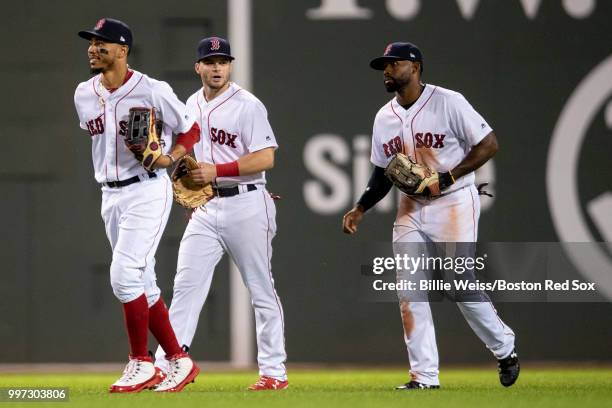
(445, 180)
(228, 169)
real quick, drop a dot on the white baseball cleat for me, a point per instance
(182, 371)
(139, 374)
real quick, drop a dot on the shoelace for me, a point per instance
(261, 382)
(131, 369)
(174, 366)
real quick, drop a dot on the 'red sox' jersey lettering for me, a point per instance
(224, 138)
(123, 127)
(95, 126)
(393, 146)
(429, 140)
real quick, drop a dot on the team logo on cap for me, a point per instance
(388, 49)
(100, 24)
(215, 44)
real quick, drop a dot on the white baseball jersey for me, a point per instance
(105, 116)
(232, 125)
(438, 130)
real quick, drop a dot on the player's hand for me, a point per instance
(136, 148)
(351, 219)
(204, 174)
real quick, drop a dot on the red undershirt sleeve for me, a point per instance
(189, 138)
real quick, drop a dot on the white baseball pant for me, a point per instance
(135, 217)
(242, 225)
(451, 218)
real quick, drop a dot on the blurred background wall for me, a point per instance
(520, 63)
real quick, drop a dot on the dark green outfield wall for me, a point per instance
(540, 72)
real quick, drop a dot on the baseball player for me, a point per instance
(437, 128)
(135, 203)
(236, 147)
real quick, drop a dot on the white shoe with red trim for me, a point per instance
(182, 370)
(268, 383)
(139, 374)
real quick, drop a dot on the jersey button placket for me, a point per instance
(111, 150)
(406, 135)
(409, 131)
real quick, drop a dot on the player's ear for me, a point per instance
(196, 68)
(413, 67)
(417, 67)
(124, 51)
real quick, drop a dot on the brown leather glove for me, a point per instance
(187, 192)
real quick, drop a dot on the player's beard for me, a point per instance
(216, 86)
(391, 85)
(102, 64)
(100, 69)
(395, 85)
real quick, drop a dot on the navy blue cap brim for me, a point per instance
(213, 54)
(379, 63)
(89, 34)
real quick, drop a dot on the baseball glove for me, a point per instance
(412, 178)
(142, 137)
(188, 193)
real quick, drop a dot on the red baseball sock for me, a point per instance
(159, 324)
(136, 314)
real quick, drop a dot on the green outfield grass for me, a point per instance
(472, 388)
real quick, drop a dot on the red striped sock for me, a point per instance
(136, 314)
(159, 324)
